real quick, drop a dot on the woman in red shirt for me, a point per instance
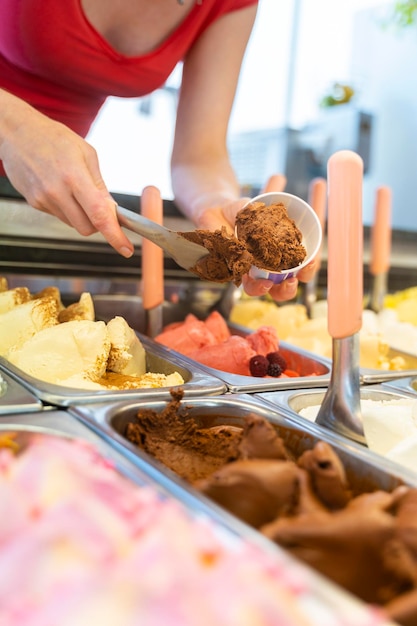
(59, 61)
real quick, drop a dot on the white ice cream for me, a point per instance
(390, 427)
(399, 335)
(84, 355)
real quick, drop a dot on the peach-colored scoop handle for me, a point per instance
(381, 232)
(152, 255)
(276, 182)
(345, 244)
(317, 199)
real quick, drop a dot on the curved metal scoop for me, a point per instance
(341, 408)
(184, 252)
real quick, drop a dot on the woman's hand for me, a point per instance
(216, 218)
(287, 290)
(58, 173)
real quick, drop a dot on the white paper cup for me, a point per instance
(306, 221)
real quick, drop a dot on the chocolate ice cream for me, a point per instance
(271, 236)
(364, 541)
(266, 237)
(228, 260)
(179, 444)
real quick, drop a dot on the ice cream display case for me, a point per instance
(254, 482)
(116, 522)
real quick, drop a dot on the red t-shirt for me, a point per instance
(51, 57)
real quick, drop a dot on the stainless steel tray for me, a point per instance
(200, 302)
(60, 423)
(372, 376)
(159, 359)
(15, 398)
(291, 402)
(315, 370)
(320, 594)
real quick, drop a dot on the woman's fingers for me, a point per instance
(307, 273)
(287, 290)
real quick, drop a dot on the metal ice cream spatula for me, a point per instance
(184, 252)
(341, 408)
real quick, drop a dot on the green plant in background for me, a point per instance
(405, 13)
(338, 94)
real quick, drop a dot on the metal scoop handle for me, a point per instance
(340, 409)
(380, 247)
(184, 252)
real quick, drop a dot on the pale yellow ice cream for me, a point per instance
(12, 297)
(23, 321)
(66, 346)
(127, 354)
(65, 350)
(405, 304)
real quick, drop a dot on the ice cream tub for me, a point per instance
(389, 418)
(60, 423)
(314, 371)
(139, 469)
(254, 481)
(306, 221)
(408, 368)
(15, 398)
(104, 547)
(197, 381)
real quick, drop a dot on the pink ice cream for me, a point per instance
(232, 355)
(187, 336)
(211, 343)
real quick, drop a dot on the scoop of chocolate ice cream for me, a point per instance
(178, 442)
(228, 259)
(271, 236)
(327, 474)
(345, 545)
(256, 491)
(403, 609)
(260, 440)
